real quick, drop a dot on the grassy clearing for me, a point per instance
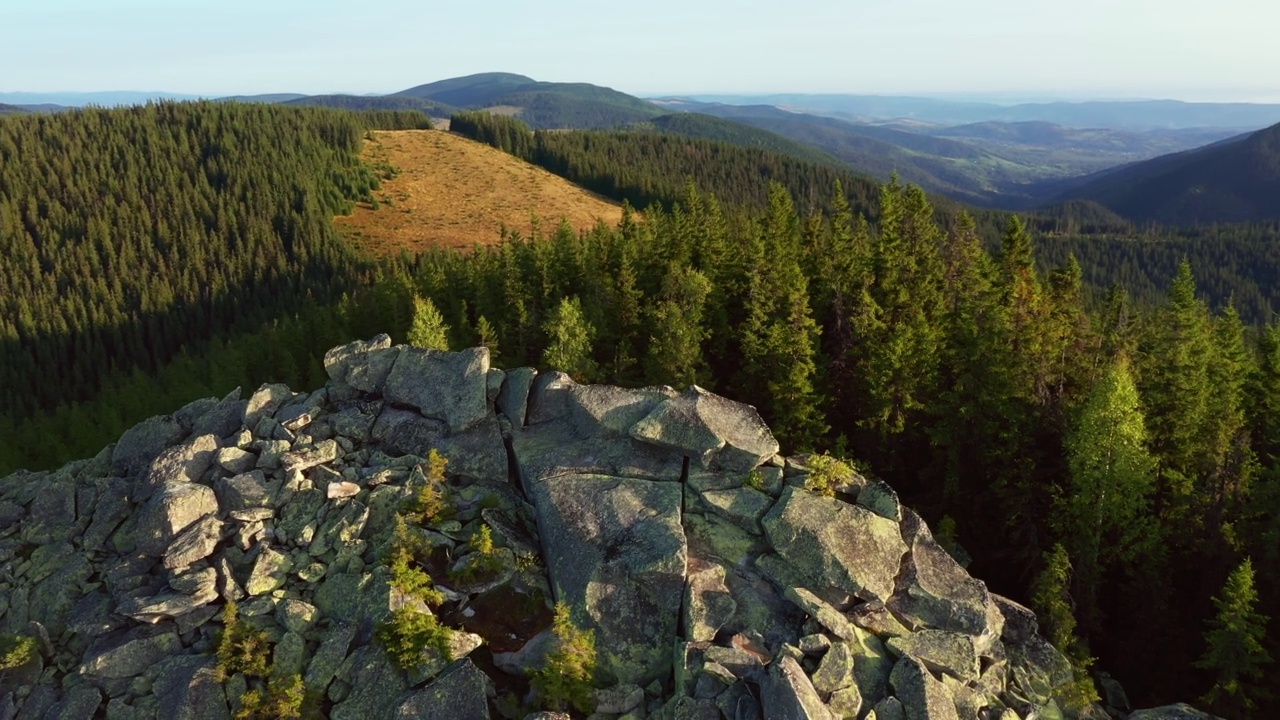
(449, 191)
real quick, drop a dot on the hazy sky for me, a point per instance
(1221, 50)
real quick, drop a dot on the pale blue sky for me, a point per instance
(1221, 50)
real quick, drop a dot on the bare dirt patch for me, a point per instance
(449, 191)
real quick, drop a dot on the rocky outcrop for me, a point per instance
(715, 583)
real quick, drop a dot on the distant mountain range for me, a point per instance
(1233, 181)
(1129, 115)
(1161, 160)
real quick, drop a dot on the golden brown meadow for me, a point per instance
(453, 192)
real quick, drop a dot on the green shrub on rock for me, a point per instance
(568, 677)
(16, 651)
(826, 473)
(241, 649)
(407, 633)
(281, 699)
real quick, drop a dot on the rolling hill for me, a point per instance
(538, 104)
(11, 110)
(1237, 180)
(444, 190)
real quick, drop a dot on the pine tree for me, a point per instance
(1051, 599)
(675, 346)
(487, 337)
(1234, 652)
(428, 329)
(570, 338)
(1101, 512)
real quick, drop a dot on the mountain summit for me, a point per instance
(264, 555)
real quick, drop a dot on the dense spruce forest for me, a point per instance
(1112, 461)
(127, 235)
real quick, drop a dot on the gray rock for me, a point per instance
(921, 695)
(708, 605)
(323, 452)
(835, 671)
(183, 463)
(174, 508)
(513, 398)
(846, 703)
(548, 397)
(478, 453)
(876, 618)
(288, 657)
(242, 492)
(328, 657)
(787, 694)
(833, 544)
(460, 692)
(142, 443)
(826, 615)
(199, 588)
(941, 651)
(881, 499)
(52, 515)
(687, 708)
(445, 386)
(376, 686)
(889, 708)
(737, 703)
(264, 402)
(741, 506)
(939, 594)
(619, 699)
(130, 658)
(616, 554)
(604, 410)
(296, 417)
(269, 572)
(195, 543)
(223, 419)
(362, 365)
(551, 449)
(80, 703)
(703, 425)
(531, 656)
(187, 688)
(235, 461)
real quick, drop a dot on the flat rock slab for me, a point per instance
(552, 449)
(460, 692)
(447, 386)
(600, 410)
(703, 425)
(616, 554)
(478, 453)
(941, 651)
(833, 544)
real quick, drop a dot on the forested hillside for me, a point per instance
(1111, 463)
(1232, 181)
(127, 235)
